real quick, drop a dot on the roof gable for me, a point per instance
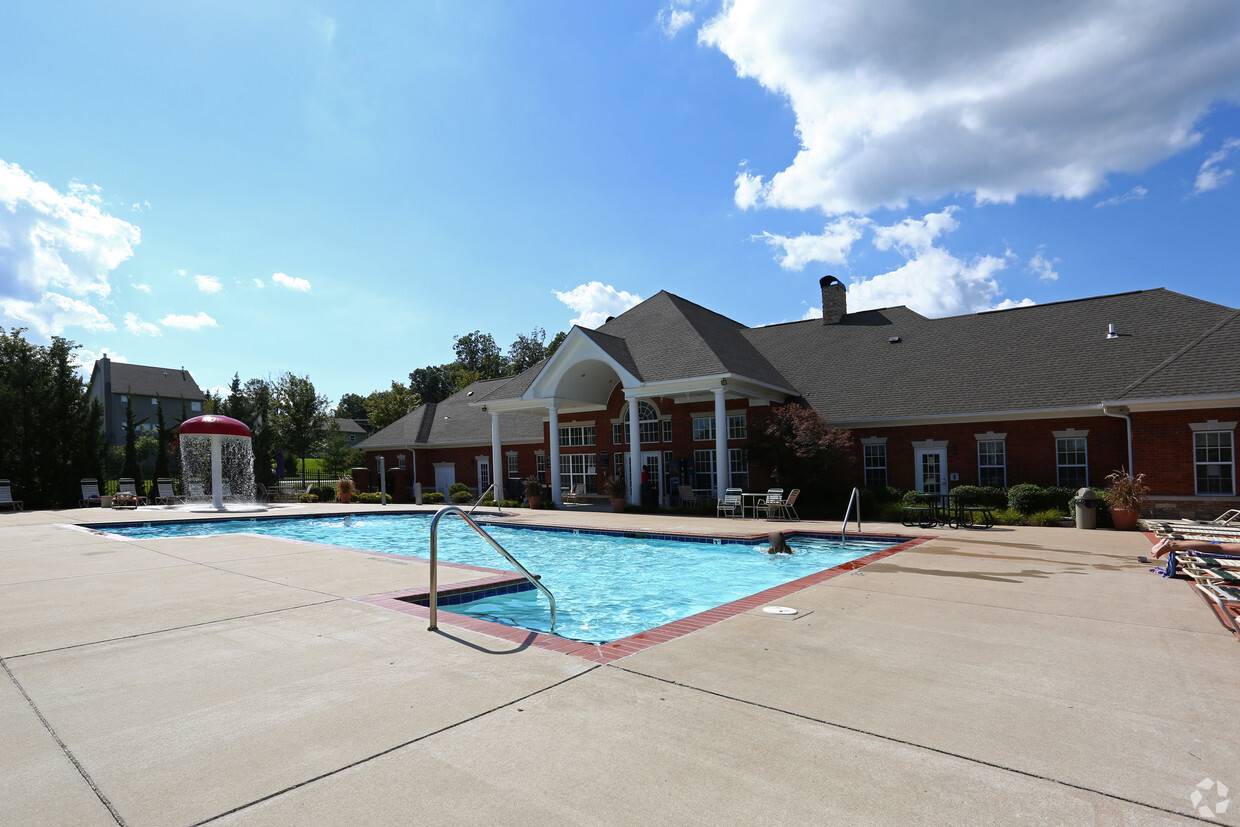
(148, 380)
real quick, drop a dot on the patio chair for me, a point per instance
(196, 491)
(730, 504)
(90, 492)
(576, 494)
(785, 508)
(1226, 601)
(772, 503)
(167, 493)
(6, 497)
(126, 486)
(687, 495)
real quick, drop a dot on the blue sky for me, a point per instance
(336, 189)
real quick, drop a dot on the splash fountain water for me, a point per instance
(220, 446)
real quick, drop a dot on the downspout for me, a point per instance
(1128, 421)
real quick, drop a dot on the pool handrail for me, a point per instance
(492, 487)
(434, 584)
(855, 497)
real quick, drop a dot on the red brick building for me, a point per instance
(1054, 394)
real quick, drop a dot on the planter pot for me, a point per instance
(1125, 519)
(618, 505)
(105, 501)
(535, 502)
(345, 498)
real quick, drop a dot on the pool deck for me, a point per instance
(1013, 675)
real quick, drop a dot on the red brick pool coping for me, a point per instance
(400, 601)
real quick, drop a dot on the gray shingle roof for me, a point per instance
(667, 337)
(146, 380)
(1045, 356)
(454, 422)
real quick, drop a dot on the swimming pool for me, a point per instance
(607, 586)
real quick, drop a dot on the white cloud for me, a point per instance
(595, 301)
(673, 20)
(831, 247)
(291, 282)
(140, 328)
(189, 322)
(208, 284)
(145, 288)
(85, 359)
(259, 283)
(53, 312)
(931, 281)
(56, 252)
(1210, 176)
(1134, 194)
(900, 100)
(1043, 267)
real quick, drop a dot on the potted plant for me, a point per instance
(1125, 497)
(617, 490)
(534, 492)
(344, 490)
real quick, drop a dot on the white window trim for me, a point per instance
(1213, 426)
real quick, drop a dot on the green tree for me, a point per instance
(385, 407)
(478, 352)
(338, 455)
(163, 435)
(433, 383)
(555, 343)
(299, 415)
(352, 406)
(131, 467)
(527, 351)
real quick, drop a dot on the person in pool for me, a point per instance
(778, 544)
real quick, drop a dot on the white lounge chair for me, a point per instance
(6, 497)
(90, 492)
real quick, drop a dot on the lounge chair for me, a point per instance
(771, 503)
(6, 497)
(576, 494)
(90, 492)
(126, 486)
(687, 495)
(167, 493)
(1226, 600)
(196, 492)
(730, 504)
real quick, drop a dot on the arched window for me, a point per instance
(647, 423)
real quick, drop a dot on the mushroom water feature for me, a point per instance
(224, 442)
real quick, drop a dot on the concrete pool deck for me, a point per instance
(1032, 675)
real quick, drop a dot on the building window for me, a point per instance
(875, 465)
(703, 429)
(704, 469)
(619, 464)
(512, 467)
(400, 461)
(667, 430)
(540, 465)
(195, 406)
(992, 463)
(738, 465)
(647, 425)
(155, 402)
(578, 469)
(737, 428)
(1214, 459)
(576, 435)
(1071, 459)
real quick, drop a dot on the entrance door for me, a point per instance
(652, 464)
(445, 476)
(931, 470)
(484, 475)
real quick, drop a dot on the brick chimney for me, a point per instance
(834, 299)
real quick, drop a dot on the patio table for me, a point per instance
(752, 502)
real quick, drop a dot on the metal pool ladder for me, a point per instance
(855, 498)
(434, 597)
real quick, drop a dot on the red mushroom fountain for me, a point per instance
(216, 428)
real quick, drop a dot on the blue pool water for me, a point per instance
(606, 586)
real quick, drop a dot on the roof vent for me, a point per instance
(1111, 334)
(894, 340)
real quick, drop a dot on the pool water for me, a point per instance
(606, 586)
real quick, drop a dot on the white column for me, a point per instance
(635, 454)
(495, 457)
(723, 469)
(554, 409)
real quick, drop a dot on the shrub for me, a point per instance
(432, 497)
(1009, 516)
(1049, 517)
(1026, 497)
(983, 495)
(325, 493)
(309, 498)
(369, 498)
(457, 487)
(459, 496)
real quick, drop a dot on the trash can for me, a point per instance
(1086, 508)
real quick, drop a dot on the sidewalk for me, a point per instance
(1031, 675)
